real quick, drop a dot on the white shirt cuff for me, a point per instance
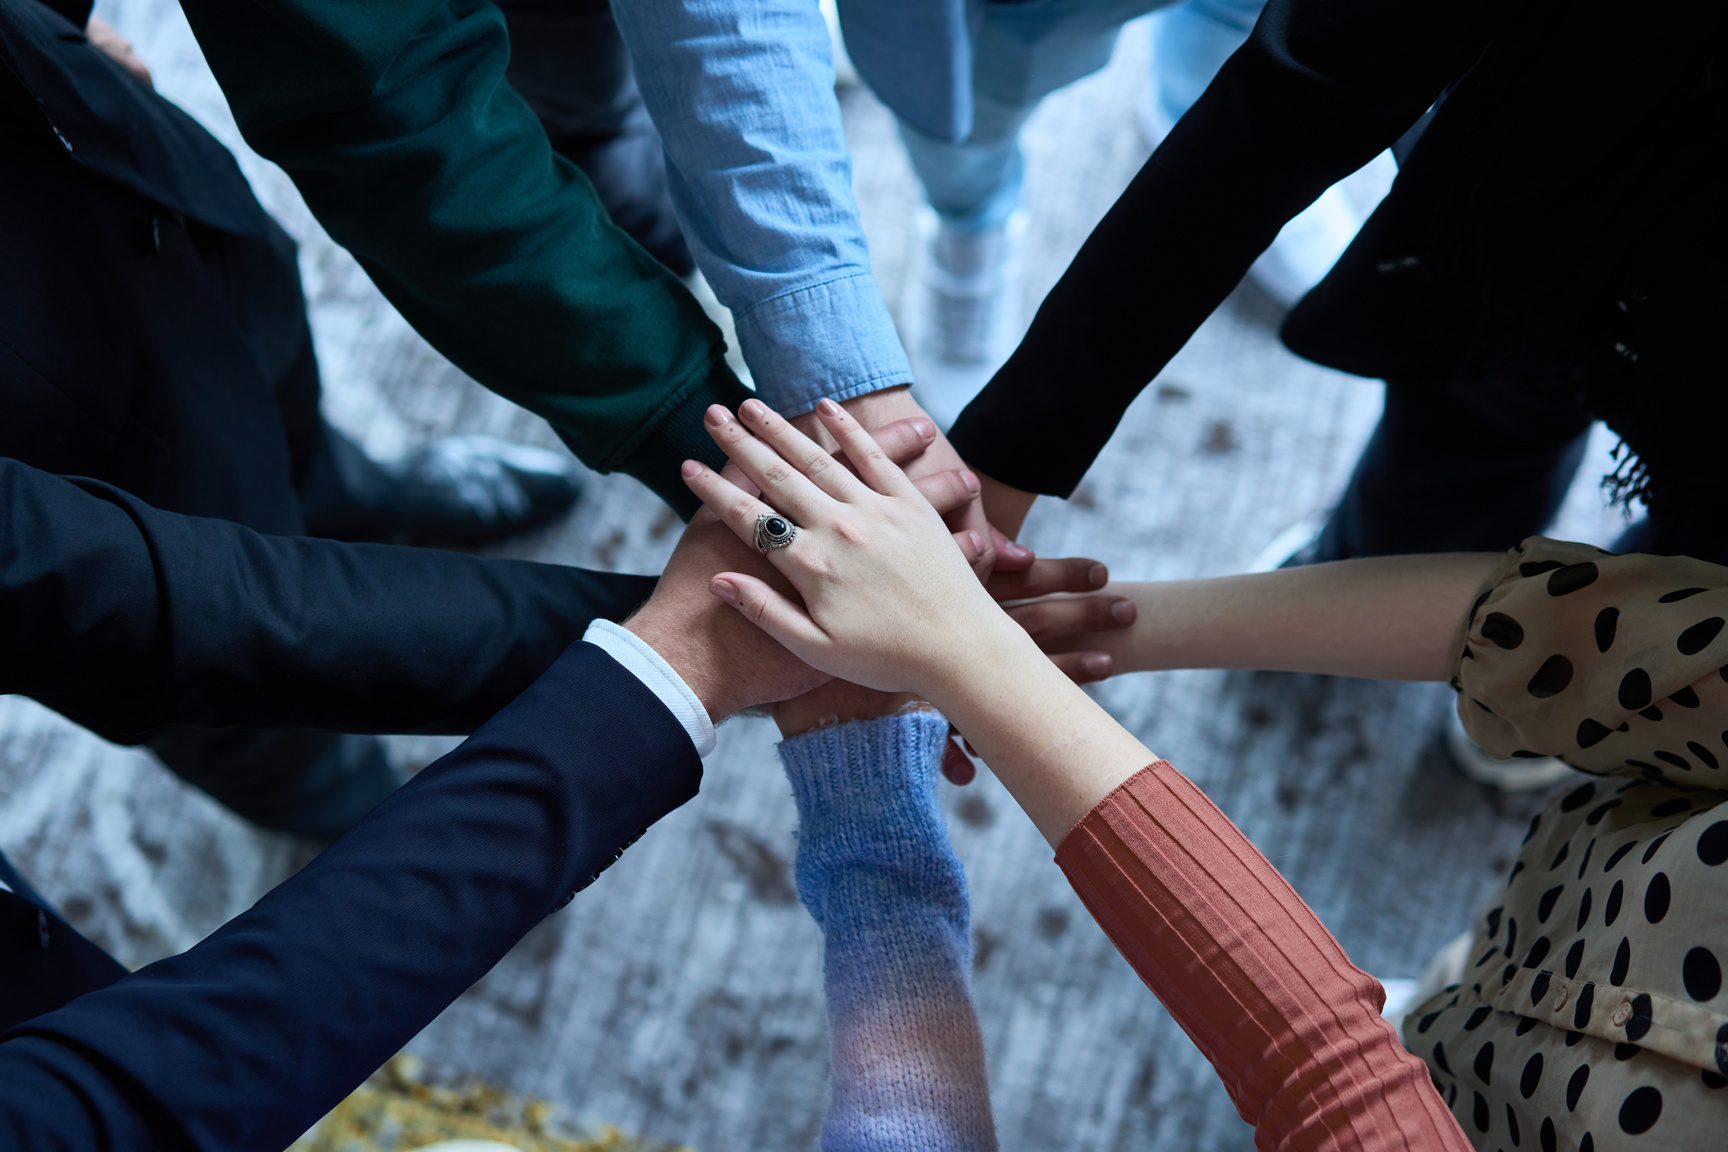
(658, 677)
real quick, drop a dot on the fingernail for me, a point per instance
(1098, 575)
(1017, 550)
(1123, 612)
(724, 589)
(970, 481)
(828, 407)
(977, 542)
(753, 408)
(717, 415)
(925, 429)
(1098, 664)
(691, 470)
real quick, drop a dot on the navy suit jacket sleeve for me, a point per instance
(124, 617)
(1320, 87)
(244, 1041)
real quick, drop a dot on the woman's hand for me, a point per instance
(889, 601)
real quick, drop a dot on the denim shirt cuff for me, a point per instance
(833, 339)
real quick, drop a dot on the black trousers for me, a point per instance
(1462, 467)
(1457, 467)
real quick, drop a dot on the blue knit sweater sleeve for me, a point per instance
(876, 870)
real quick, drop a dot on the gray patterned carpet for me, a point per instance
(680, 998)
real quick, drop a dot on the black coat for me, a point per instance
(1547, 195)
(125, 617)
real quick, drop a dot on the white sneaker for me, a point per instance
(963, 316)
(1518, 774)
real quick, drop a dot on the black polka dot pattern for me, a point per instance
(1502, 630)
(1641, 1111)
(1635, 689)
(1657, 898)
(1702, 974)
(1697, 638)
(1606, 622)
(1552, 678)
(1620, 666)
(1622, 963)
(1572, 578)
(1713, 844)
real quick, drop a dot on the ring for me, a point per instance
(773, 531)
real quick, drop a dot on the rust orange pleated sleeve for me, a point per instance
(1250, 973)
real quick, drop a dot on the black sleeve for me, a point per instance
(124, 617)
(244, 1041)
(1320, 87)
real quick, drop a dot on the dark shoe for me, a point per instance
(463, 490)
(478, 489)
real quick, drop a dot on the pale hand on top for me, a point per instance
(889, 601)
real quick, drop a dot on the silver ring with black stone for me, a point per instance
(773, 531)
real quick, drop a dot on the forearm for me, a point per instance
(1056, 751)
(1384, 618)
(396, 125)
(743, 95)
(1317, 91)
(877, 872)
(1249, 972)
(126, 617)
(248, 1038)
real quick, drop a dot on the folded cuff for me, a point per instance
(833, 339)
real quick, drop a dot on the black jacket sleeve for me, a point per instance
(1320, 87)
(244, 1041)
(124, 617)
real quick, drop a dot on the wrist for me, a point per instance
(1004, 505)
(836, 702)
(682, 644)
(994, 655)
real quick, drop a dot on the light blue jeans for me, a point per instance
(1025, 50)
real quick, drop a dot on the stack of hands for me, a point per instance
(893, 590)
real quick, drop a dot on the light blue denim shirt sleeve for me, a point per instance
(743, 94)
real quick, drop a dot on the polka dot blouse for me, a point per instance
(1592, 1012)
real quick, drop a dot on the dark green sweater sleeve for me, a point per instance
(394, 120)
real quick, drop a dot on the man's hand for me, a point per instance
(879, 409)
(728, 662)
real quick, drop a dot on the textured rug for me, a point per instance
(409, 1104)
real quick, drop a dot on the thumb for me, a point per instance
(772, 612)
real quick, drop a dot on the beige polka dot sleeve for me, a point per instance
(1609, 662)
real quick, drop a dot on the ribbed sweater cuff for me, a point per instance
(678, 434)
(865, 771)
